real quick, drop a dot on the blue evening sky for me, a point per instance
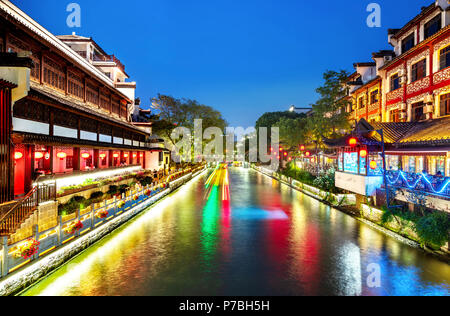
(243, 57)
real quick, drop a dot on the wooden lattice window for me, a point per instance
(105, 102)
(65, 119)
(54, 74)
(123, 111)
(30, 110)
(15, 45)
(115, 106)
(88, 125)
(35, 72)
(76, 86)
(92, 94)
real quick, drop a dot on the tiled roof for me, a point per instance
(393, 132)
(43, 91)
(430, 132)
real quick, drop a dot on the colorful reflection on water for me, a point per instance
(237, 232)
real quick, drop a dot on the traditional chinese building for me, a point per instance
(66, 110)
(412, 112)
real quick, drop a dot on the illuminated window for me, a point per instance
(445, 104)
(361, 104)
(419, 70)
(374, 97)
(433, 26)
(395, 82)
(418, 113)
(444, 58)
(408, 43)
(395, 115)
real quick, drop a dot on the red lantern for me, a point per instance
(18, 155)
(134, 155)
(363, 153)
(373, 165)
(38, 155)
(103, 156)
(285, 154)
(307, 154)
(61, 155)
(116, 155)
(125, 155)
(302, 148)
(353, 142)
(142, 155)
(85, 155)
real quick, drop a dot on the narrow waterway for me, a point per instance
(238, 232)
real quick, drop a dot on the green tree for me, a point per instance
(174, 113)
(270, 119)
(292, 131)
(330, 118)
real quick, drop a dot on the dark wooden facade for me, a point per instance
(6, 148)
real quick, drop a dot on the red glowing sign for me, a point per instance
(18, 155)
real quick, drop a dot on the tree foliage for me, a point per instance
(329, 117)
(182, 113)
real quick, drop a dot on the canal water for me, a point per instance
(241, 233)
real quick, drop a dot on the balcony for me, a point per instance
(395, 95)
(109, 58)
(441, 76)
(418, 86)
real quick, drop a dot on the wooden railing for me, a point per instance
(13, 218)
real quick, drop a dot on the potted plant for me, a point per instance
(74, 227)
(102, 214)
(120, 204)
(29, 249)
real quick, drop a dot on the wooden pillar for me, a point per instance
(29, 167)
(96, 159)
(76, 158)
(110, 158)
(51, 121)
(78, 127)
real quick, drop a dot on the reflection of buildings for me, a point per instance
(405, 93)
(66, 109)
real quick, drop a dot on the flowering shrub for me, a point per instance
(102, 214)
(136, 197)
(74, 227)
(148, 192)
(29, 249)
(121, 204)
